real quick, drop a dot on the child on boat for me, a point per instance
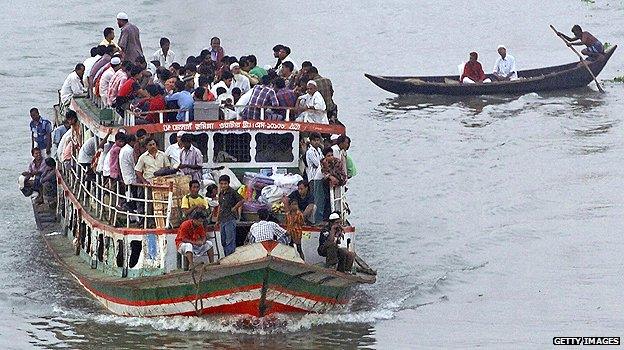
(294, 221)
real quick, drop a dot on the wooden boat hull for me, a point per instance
(257, 287)
(567, 76)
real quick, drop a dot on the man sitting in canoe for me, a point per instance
(594, 47)
(473, 71)
(505, 66)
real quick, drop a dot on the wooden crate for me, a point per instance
(180, 188)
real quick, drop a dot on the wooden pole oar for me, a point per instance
(580, 57)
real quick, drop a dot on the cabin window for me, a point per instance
(100, 247)
(199, 140)
(120, 253)
(232, 148)
(135, 251)
(274, 147)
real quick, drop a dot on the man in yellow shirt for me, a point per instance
(109, 36)
(193, 200)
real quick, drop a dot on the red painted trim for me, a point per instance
(269, 245)
(215, 126)
(251, 307)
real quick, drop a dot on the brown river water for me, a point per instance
(494, 222)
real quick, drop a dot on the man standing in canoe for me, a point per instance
(594, 47)
(473, 71)
(505, 66)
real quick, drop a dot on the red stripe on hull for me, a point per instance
(251, 307)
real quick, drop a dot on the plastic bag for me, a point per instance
(271, 194)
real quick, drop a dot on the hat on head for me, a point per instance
(334, 216)
(115, 61)
(501, 47)
(311, 82)
(122, 15)
(180, 133)
(234, 65)
(334, 137)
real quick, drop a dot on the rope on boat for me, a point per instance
(197, 283)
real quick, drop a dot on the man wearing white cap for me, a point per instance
(106, 78)
(129, 40)
(240, 81)
(312, 106)
(505, 66)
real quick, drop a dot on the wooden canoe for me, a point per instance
(567, 76)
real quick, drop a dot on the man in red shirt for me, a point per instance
(130, 89)
(473, 71)
(191, 240)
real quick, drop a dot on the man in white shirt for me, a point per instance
(240, 81)
(311, 106)
(96, 54)
(73, 84)
(150, 162)
(315, 176)
(106, 78)
(128, 174)
(505, 66)
(164, 55)
(174, 150)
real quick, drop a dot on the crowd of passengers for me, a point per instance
(126, 162)
(119, 74)
(124, 79)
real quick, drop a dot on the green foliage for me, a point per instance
(606, 45)
(589, 1)
(619, 79)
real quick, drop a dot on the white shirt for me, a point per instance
(228, 90)
(126, 164)
(313, 159)
(288, 59)
(105, 80)
(505, 66)
(87, 151)
(89, 63)
(242, 82)
(72, 86)
(318, 113)
(103, 161)
(165, 61)
(173, 154)
(61, 146)
(106, 163)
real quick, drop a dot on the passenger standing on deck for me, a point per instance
(173, 151)
(315, 176)
(109, 37)
(191, 159)
(594, 47)
(304, 198)
(473, 71)
(105, 80)
(41, 132)
(193, 200)
(164, 55)
(335, 175)
(191, 240)
(326, 89)
(216, 51)
(505, 66)
(311, 106)
(294, 222)
(126, 168)
(229, 204)
(73, 85)
(150, 162)
(58, 133)
(129, 40)
(329, 241)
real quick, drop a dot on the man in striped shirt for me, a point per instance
(261, 95)
(265, 230)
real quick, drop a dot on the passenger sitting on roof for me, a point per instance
(193, 200)
(184, 100)
(240, 81)
(302, 78)
(473, 71)
(325, 88)
(594, 47)
(129, 90)
(73, 84)
(285, 96)
(265, 230)
(505, 66)
(155, 102)
(216, 51)
(254, 69)
(191, 239)
(261, 95)
(329, 241)
(226, 83)
(164, 55)
(288, 74)
(311, 106)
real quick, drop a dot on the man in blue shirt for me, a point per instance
(41, 130)
(184, 99)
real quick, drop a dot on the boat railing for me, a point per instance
(111, 202)
(338, 202)
(130, 115)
